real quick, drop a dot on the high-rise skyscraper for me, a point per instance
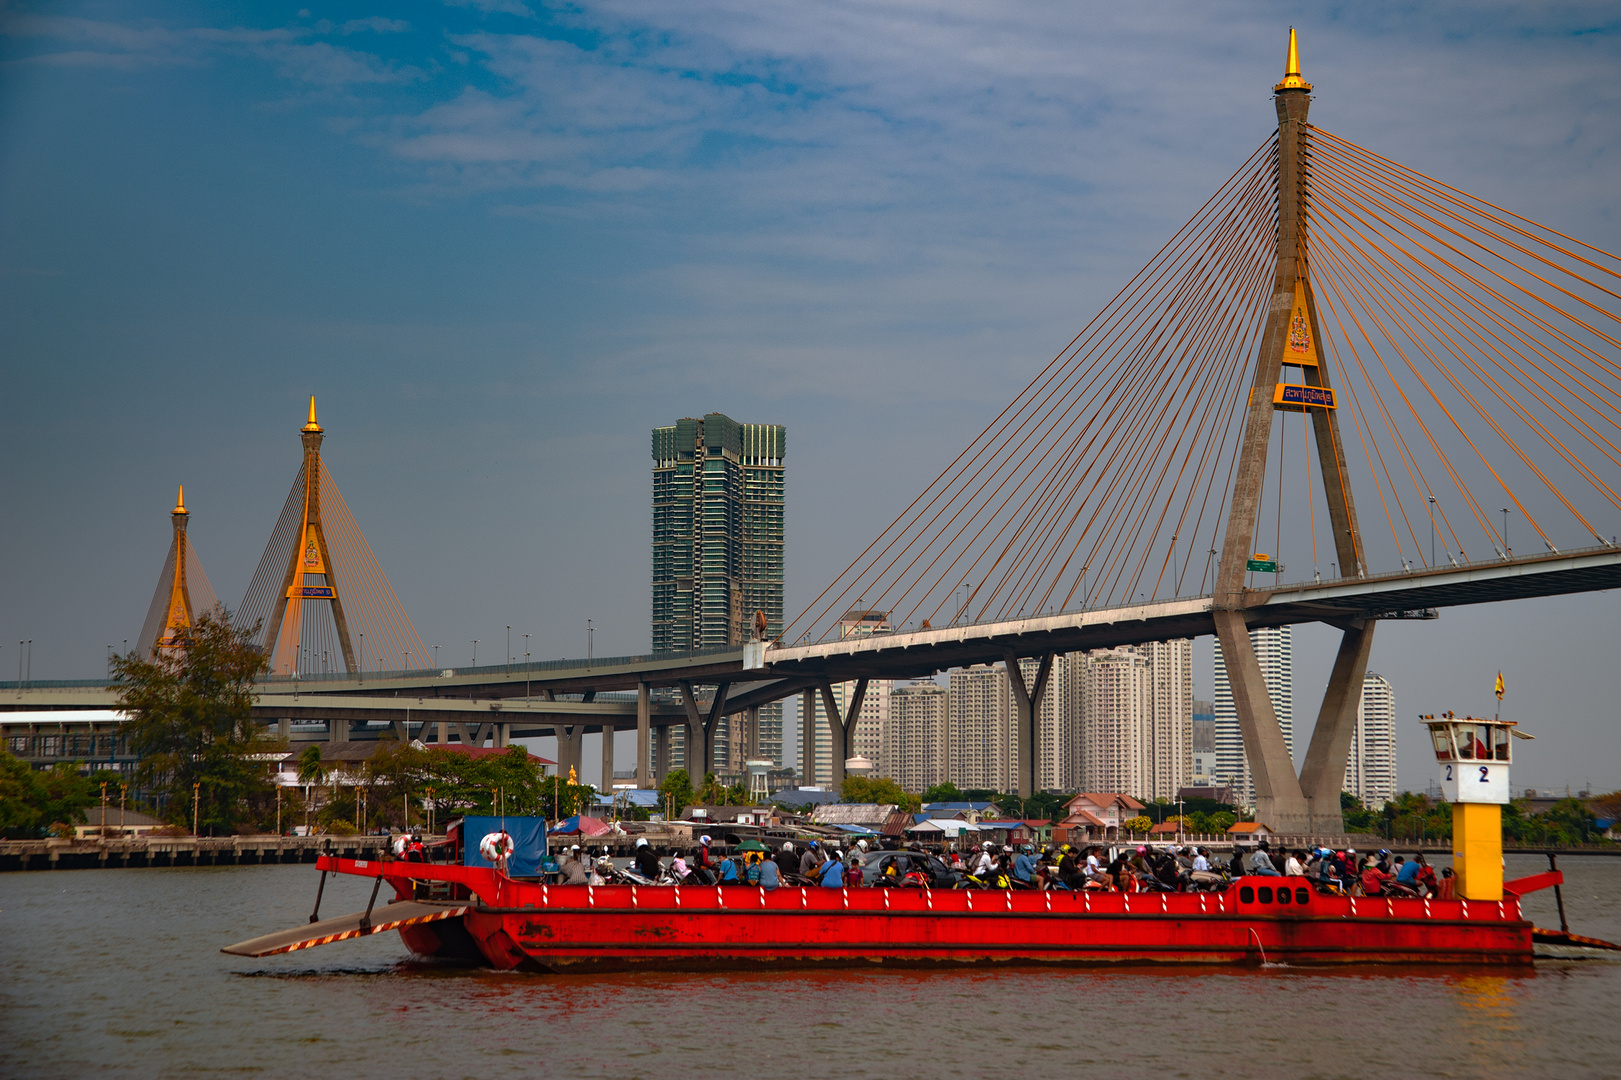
(718, 542)
(1370, 773)
(1274, 648)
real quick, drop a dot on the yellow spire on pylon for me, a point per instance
(180, 502)
(312, 425)
(1291, 74)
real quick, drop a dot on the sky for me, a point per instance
(500, 240)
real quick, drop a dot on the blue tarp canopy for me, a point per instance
(856, 829)
(528, 842)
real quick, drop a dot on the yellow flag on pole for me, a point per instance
(1499, 686)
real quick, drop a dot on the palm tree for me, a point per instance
(310, 771)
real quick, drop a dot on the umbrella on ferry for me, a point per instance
(752, 845)
(581, 825)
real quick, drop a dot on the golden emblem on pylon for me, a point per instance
(312, 554)
(1299, 334)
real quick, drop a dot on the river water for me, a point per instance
(117, 973)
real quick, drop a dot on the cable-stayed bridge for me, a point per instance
(1455, 371)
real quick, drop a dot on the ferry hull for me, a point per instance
(532, 926)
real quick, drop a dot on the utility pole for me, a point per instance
(590, 643)
(475, 651)
(1508, 553)
(196, 804)
(509, 649)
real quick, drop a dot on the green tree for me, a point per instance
(946, 792)
(677, 790)
(32, 801)
(878, 789)
(712, 792)
(191, 723)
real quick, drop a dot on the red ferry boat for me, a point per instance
(525, 924)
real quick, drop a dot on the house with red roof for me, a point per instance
(1097, 815)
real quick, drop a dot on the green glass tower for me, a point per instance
(718, 543)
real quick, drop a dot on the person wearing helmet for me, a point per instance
(862, 844)
(571, 868)
(787, 862)
(1024, 867)
(646, 859)
(985, 865)
(703, 858)
(810, 860)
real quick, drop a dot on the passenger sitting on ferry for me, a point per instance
(572, 868)
(701, 857)
(731, 870)
(1425, 876)
(1446, 888)
(601, 871)
(1236, 866)
(1201, 861)
(414, 851)
(809, 861)
(1294, 865)
(1407, 872)
(956, 859)
(1373, 878)
(678, 867)
(787, 862)
(770, 874)
(1024, 866)
(1115, 874)
(646, 859)
(985, 865)
(1260, 862)
(831, 875)
(1069, 868)
(852, 871)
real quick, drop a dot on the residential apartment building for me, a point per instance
(1370, 773)
(1274, 648)
(915, 736)
(1135, 718)
(719, 544)
(980, 748)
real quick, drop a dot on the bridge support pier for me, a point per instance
(644, 734)
(701, 731)
(839, 727)
(1279, 801)
(1324, 772)
(568, 748)
(807, 738)
(661, 750)
(1027, 699)
(607, 787)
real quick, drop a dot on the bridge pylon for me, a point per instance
(318, 591)
(1310, 802)
(183, 591)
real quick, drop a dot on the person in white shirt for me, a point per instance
(1292, 866)
(1200, 863)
